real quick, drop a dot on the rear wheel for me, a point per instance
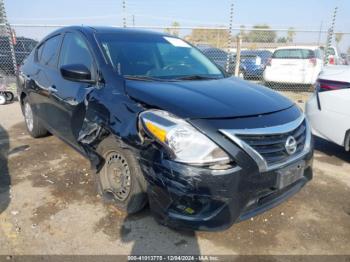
(120, 180)
(34, 127)
(9, 96)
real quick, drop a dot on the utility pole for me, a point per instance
(133, 20)
(319, 34)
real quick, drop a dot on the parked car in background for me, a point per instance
(162, 124)
(294, 65)
(328, 110)
(219, 57)
(22, 48)
(333, 56)
(253, 63)
(344, 59)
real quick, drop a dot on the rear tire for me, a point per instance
(9, 96)
(34, 127)
(121, 181)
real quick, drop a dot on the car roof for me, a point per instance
(255, 51)
(109, 30)
(298, 47)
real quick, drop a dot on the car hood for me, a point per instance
(221, 98)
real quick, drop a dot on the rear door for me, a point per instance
(68, 97)
(41, 78)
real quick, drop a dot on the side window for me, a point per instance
(75, 51)
(47, 53)
(40, 51)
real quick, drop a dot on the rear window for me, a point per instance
(293, 54)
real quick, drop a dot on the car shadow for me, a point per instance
(331, 149)
(5, 180)
(156, 238)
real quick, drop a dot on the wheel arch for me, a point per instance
(22, 96)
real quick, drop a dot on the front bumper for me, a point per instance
(197, 198)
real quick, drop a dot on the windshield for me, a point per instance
(156, 57)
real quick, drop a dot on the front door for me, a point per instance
(68, 96)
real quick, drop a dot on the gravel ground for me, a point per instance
(51, 207)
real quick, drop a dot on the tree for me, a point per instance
(282, 40)
(262, 36)
(243, 34)
(214, 37)
(174, 30)
(290, 35)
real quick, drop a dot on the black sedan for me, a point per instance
(161, 123)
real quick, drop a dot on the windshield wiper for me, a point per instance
(142, 77)
(196, 77)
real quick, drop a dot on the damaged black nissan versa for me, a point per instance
(163, 124)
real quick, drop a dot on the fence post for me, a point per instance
(238, 55)
(8, 32)
(229, 39)
(124, 13)
(12, 47)
(330, 35)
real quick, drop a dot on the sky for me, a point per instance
(300, 14)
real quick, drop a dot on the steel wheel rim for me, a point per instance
(28, 115)
(118, 174)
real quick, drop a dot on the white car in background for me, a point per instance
(294, 65)
(328, 109)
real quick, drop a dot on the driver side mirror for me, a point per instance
(77, 73)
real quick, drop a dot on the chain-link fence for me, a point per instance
(286, 59)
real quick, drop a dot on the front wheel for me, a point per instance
(120, 180)
(34, 127)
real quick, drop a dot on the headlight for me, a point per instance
(185, 143)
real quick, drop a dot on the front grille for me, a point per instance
(272, 147)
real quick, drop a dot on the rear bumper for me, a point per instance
(201, 199)
(306, 78)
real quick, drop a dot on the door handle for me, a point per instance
(52, 89)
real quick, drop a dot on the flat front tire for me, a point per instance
(120, 181)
